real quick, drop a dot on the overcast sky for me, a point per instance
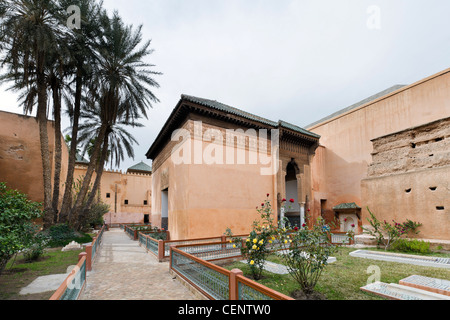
(294, 60)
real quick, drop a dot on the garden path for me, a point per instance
(123, 270)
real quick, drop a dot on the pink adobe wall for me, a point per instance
(342, 162)
(20, 154)
(387, 199)
(132, 187)
(21, 168)
(205, 200)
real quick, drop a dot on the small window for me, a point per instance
(108, 195)
(440, 208)
(433, 188)
(126, 201)
(145, 202)
(408, 190)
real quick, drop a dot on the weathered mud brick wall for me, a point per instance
(409, 178)
(423, 147)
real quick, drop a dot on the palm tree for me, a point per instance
(120, 140)
(56, 75)
(120, 86)
(30, 30)
(82, 44)
(117, 143)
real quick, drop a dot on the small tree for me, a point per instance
(306, 253)
(97, 212)
(16, 215)
(385, 233)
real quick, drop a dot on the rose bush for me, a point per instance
(387, 234)
(306, 253)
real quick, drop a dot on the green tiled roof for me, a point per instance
(140, 167)
(293, 127)
(226, 108)
(188, 102)
(344, 206)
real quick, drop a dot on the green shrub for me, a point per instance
(36, 243)
(159, 235)
(16, 215)
(97, 212)
(387, 233)
(306, 253)
(415, 246)
(61, 235)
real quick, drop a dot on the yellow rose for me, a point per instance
(255, 240)
(234, 246)
(252, 262)
(254, 247)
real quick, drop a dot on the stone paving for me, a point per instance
(125, 271)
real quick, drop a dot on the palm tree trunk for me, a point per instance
(58, 152)
(45, 153)
(67, 199)
(98, 178)
(76, 210)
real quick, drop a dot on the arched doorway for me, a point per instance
(293, 212)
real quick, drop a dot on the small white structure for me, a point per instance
(72, 246)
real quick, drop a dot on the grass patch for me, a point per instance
(342, 280)
(21, 274)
